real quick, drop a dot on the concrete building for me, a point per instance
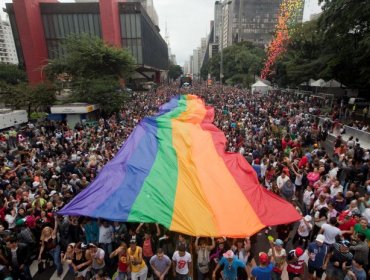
(191, 64)
(196, 62)
(173, 59)
(226, 21)
(186, 67)
(150, 9)
(254, 20)
(217, 22)
(40, 26)
(8, 52)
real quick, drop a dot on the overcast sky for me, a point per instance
(188, 21)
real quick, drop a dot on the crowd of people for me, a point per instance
(44, 165)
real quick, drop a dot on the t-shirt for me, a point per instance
(105, 234)
(160, 264)
(231, 270)
(296, 267)
(307, 197)
(366, 231)
(330, 233)
(98, 255)
(317, 254)
(340, 257)
(182, 262)
(359, 273)
(298, 180)
(347, 224)
(304, 228)
(279, 256)
(263, 273)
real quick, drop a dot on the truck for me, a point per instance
(185, 81)
(9, 118)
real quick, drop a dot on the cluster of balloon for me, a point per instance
(289, 14)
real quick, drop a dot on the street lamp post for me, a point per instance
(223, 4)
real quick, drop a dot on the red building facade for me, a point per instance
(40, 25)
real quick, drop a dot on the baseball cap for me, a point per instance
(298, 252)
(320, 238)
(263, 258)
(133, 240)
(229, 254)
(279, 242)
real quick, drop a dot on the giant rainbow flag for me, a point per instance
(173, 170)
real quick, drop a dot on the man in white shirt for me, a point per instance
(330, 231)
(334, 170)
(336, 188)
(281, 180)
(182, 267)
(106, 232)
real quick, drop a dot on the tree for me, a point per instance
(337, 46)
(95, 70)
(174, 72)
(104, 91)
(204, 71)
(240, 63)
(12, 74)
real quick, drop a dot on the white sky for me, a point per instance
(188, 21)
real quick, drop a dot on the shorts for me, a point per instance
(83, 272)
(334, 272)
(319, 271)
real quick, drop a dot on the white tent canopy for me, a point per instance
(318, 83)
(260, 86)
(333, 84)
(309, 83)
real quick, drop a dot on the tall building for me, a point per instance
(246, 20)
(203, 47)
(149, 8)
(41, 26)
(196, 61)
(186, 67)
(217, 22)
(191, 64)
(254, 21)
(8, 52)
(226, 25)
(173, 59)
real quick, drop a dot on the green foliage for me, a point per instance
(12, 74)
(337, 46)
(94, 69)
(38, 115)
(240, 63)
(24, 96)
(204, 71)
(104, 91)
(174, 72)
